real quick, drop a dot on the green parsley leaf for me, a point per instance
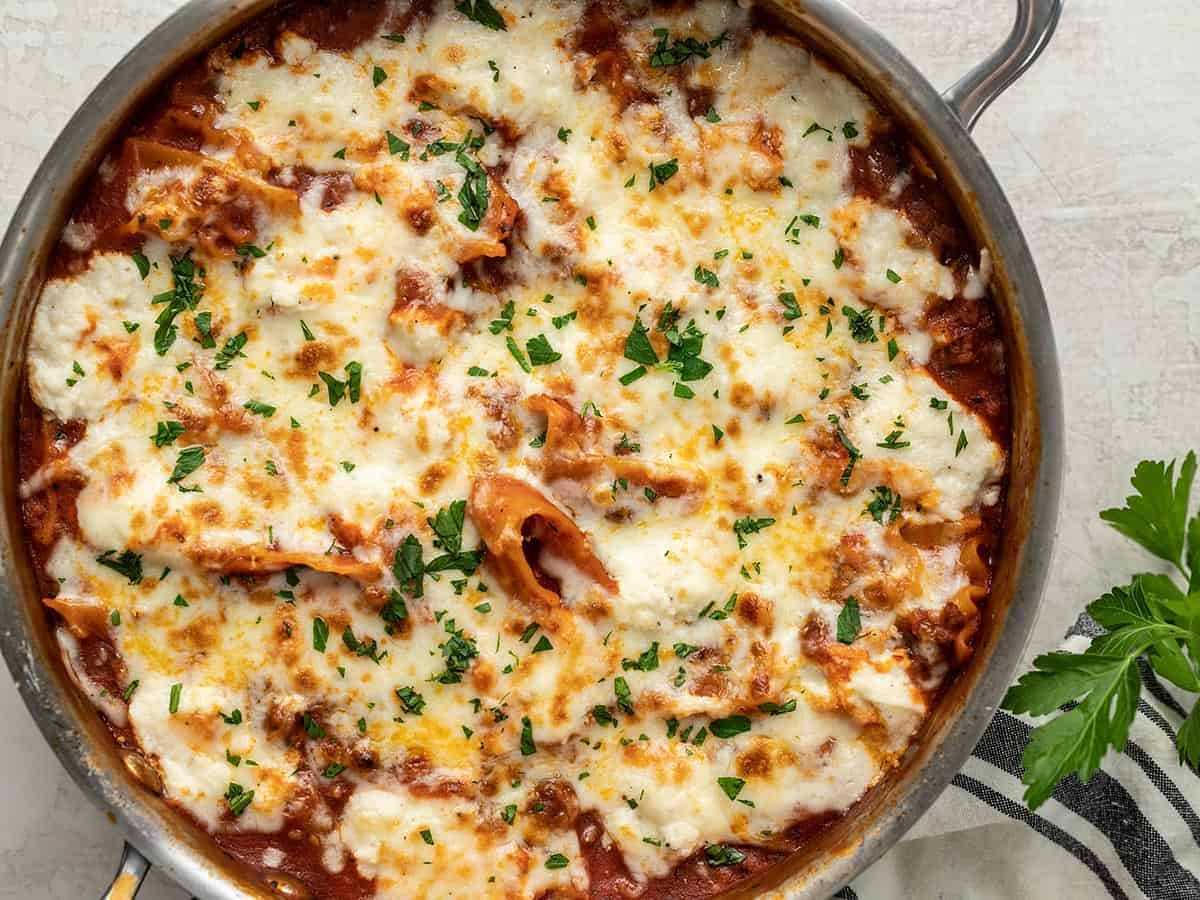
(540, 351)
(885, 507)
(1156, 516)
(473, 195)
(862, 325)
(730, 726)
(259, 408)
(731, 786)
(231, 351)
(673, 53)
(515, 350)
(184, 295)
(778, 709)
(849, 623)
(632, 375)
(646, 662)
(483, 12)
(720, 855)
(238, 798)
(190, 459)
(623, 694)
(398, 147)
(661, 173)
(320, 634)
(410, 700)
(166, 432)
(791, 308)
(638, 347)
(749, 525)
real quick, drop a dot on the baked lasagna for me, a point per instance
(513, 449)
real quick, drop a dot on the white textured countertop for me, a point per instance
(1098, 148)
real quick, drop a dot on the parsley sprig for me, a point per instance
(1152, 616)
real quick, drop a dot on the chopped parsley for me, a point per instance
(885, 507)
(720, 855)
(849, 622)
(646, 662)
(166, 432)
(231, 351)
(749, 525)
(410, 700)
(259, 408)
(184, 295)
(238, 798)
(661, 173)
(515, 350)
(504, 323)
(367, 647)
(351, 387)
(320, 634)
(142, 263)
(398, 147)
(731, 786)
(791, 308)
(673, 53)
(473, 195)
(622, 692)
(862, 325)
(540, 351)
(483, 12)
(729, 726)
(528, 747)
(190, 459)
(706, 277)
(778, 709)
(457, 652)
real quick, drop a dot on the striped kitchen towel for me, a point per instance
(1131, 832)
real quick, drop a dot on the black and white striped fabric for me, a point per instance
(1130, 833)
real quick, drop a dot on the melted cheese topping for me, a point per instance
(736, 224)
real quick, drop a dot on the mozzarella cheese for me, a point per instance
(353, 372)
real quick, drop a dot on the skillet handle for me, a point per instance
(130, 875)
(1031, 32)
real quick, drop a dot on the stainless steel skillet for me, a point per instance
(939, 122)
